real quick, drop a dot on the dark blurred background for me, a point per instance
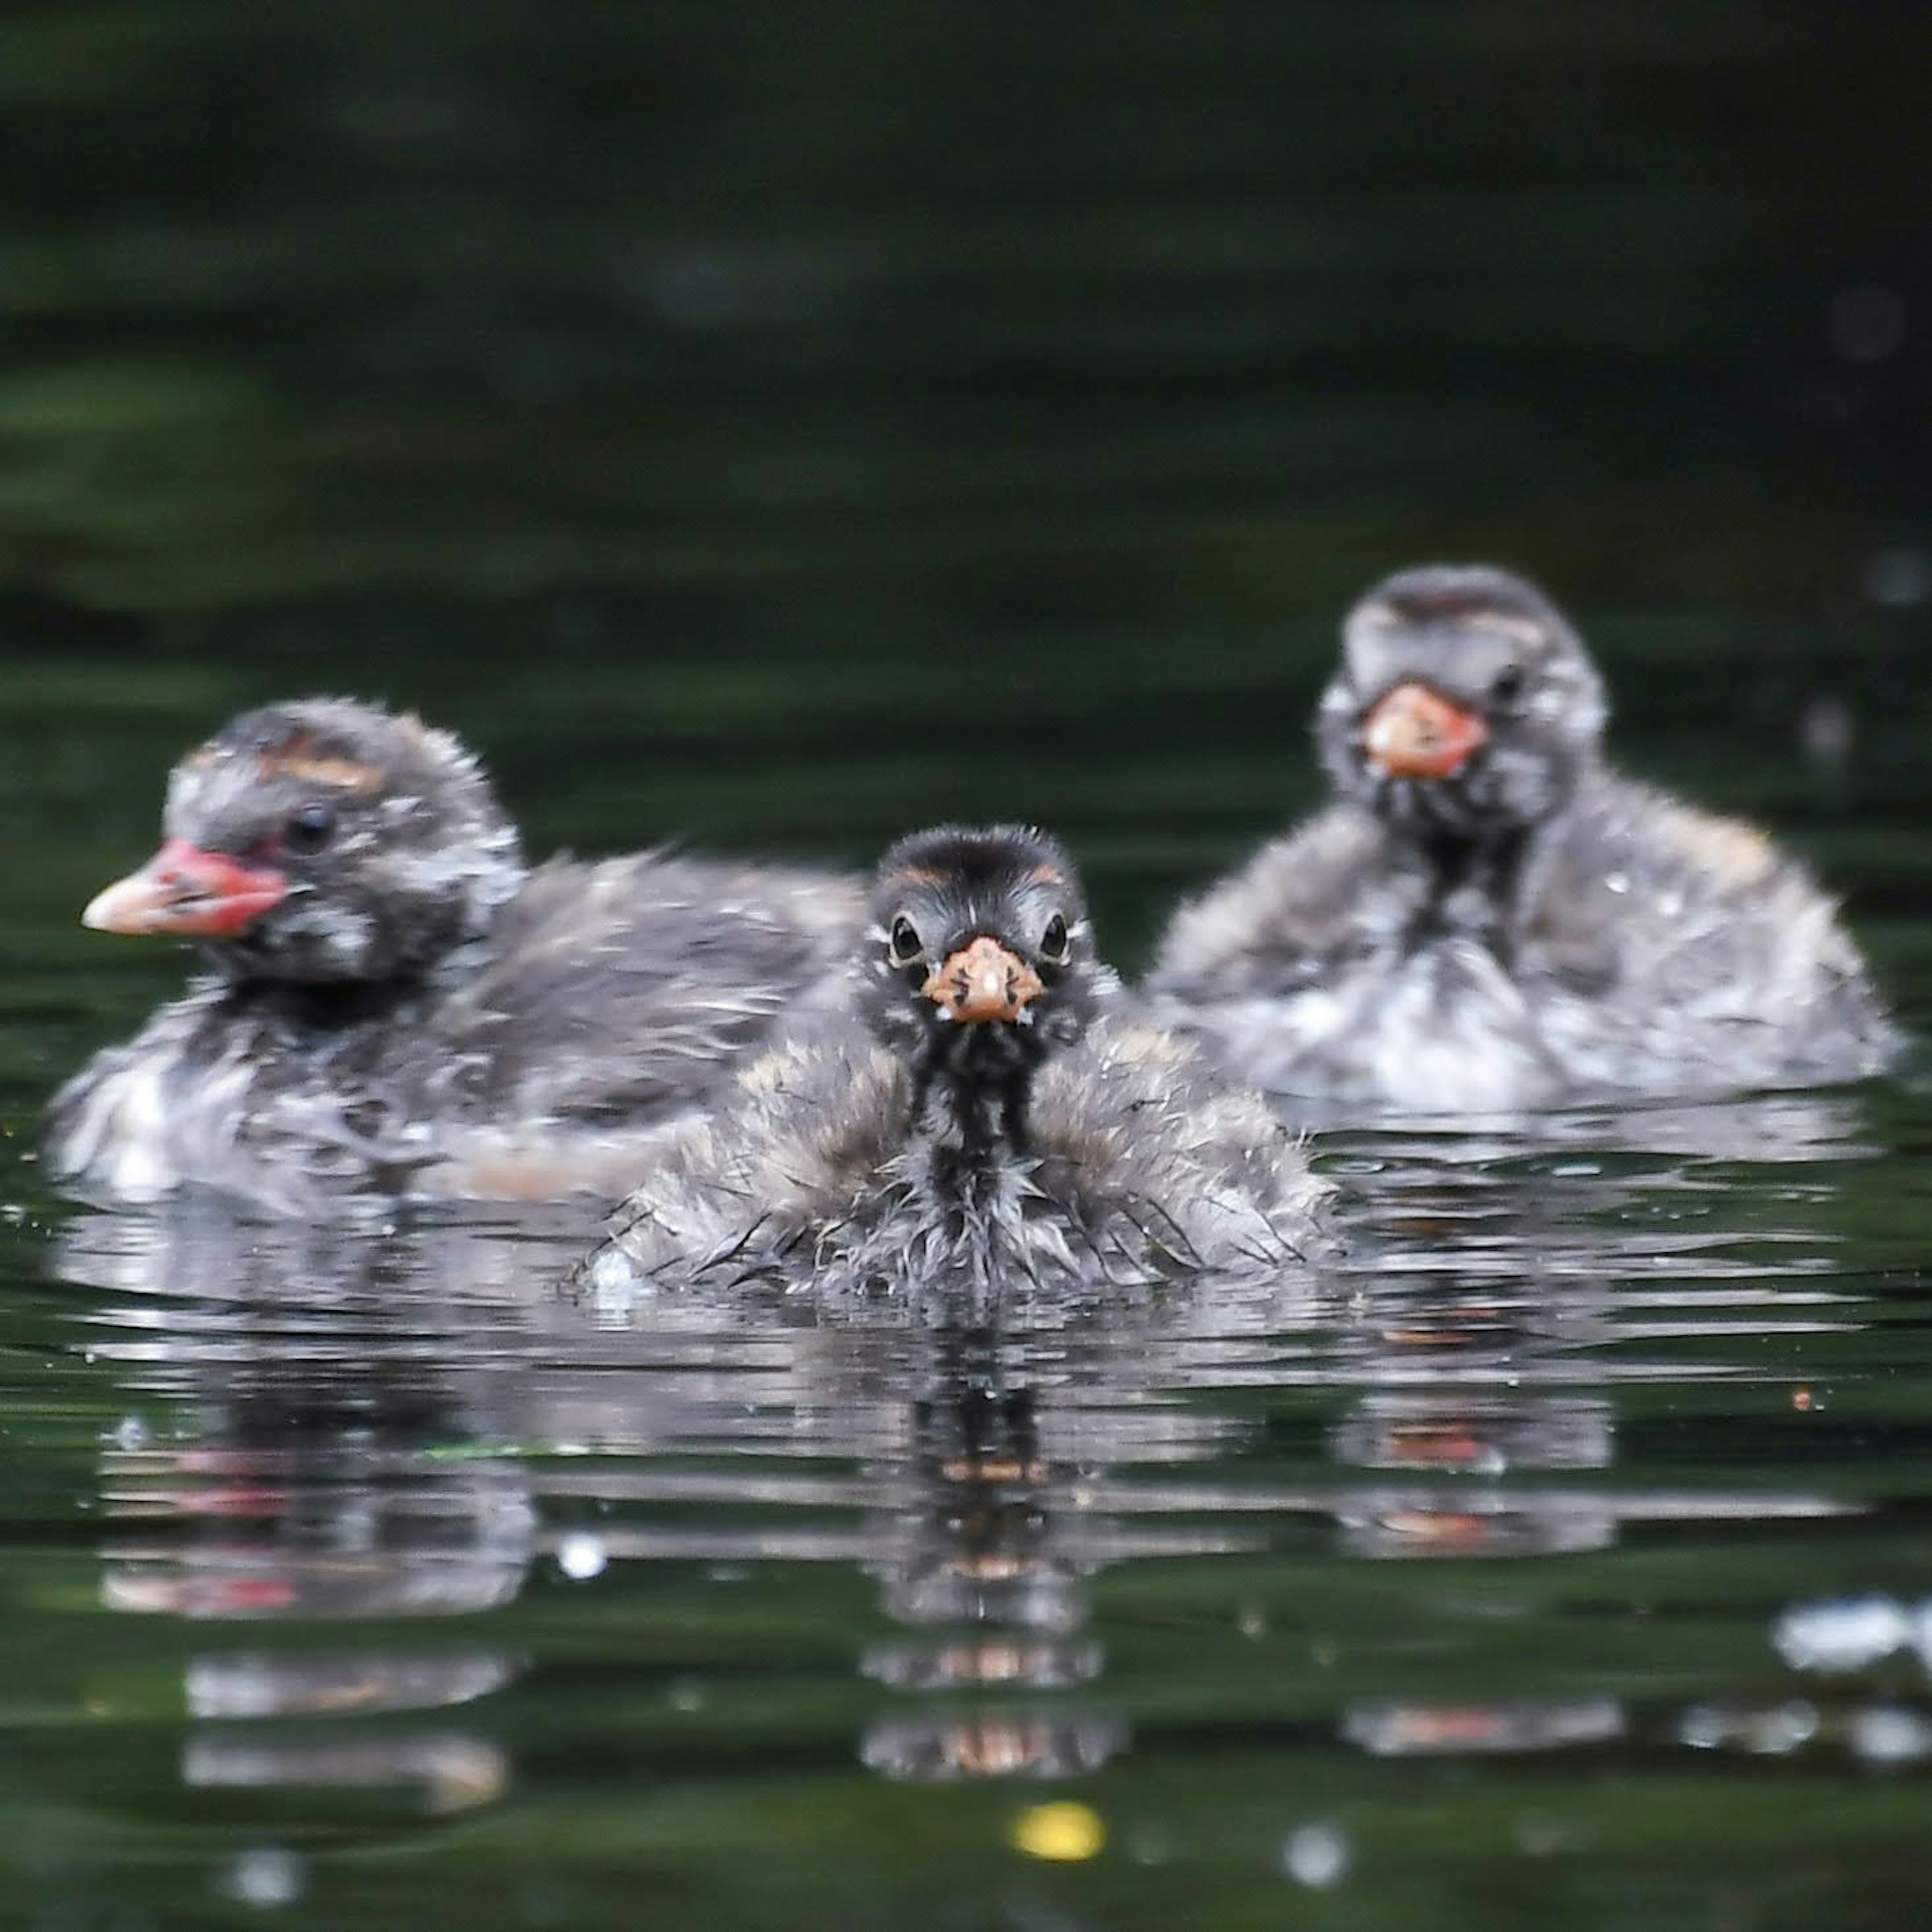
(772, 424)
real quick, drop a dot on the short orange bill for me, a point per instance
(1412, 732)
(982, 981)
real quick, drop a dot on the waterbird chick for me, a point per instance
(1487, 918)
(990, 1114)
(390, 998)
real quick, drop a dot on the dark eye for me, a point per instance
(1506, 687)
(902, 943)
(308, 829)
(1055, 944)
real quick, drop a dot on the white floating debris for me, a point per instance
(1889, 1734)
(1848, 1634)
(580, 1555)
(1702, 1728)
(129, 1435)
(1315, 1855)
(1773, 1731)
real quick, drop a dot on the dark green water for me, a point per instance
(775, 427)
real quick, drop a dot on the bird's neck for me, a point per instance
(1480, 885)
(333, 1005)
(984, 1118)
(326, 1006)
(970, 1106)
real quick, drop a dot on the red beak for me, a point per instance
(188, 893)
(1412, 732)
(983, 981)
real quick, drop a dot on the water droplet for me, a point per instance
(267, 1876)
(129, 1434)
(1702, 1728)
(1890, 1734)
(581, 1555)
(1783, 1730)
(1315, 1855)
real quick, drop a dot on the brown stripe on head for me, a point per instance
(1470, 608)
(1524, 631)
(1047, 875)
(916, 875)
(304, 760)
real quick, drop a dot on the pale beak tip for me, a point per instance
(103, 914)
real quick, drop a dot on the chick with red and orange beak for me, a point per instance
(1487, 916)
(186, 893)
(390, 1001)
(316, 845)
(1468, 710)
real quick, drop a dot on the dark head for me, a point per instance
(323, 842)
(980, 958)
(1464, 704)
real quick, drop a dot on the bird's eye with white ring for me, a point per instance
(903, 947)
(1056, 942)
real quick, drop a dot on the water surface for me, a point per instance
(770, 438)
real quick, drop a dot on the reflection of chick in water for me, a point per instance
(317, 1478)
(1000, 1505)
(1496, 1277)
(1472, 1407)
(976, 1553)
(312, 1464)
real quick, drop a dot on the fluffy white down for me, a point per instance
(1663, 951)
(1142, 1168)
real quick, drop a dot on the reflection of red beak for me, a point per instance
(1412, 732)
(983, 981)
(187, 893)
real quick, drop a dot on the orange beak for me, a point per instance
(1412, 732)
(983, 981)
(188, 894)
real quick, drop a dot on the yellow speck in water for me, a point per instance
(1065, 1833)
